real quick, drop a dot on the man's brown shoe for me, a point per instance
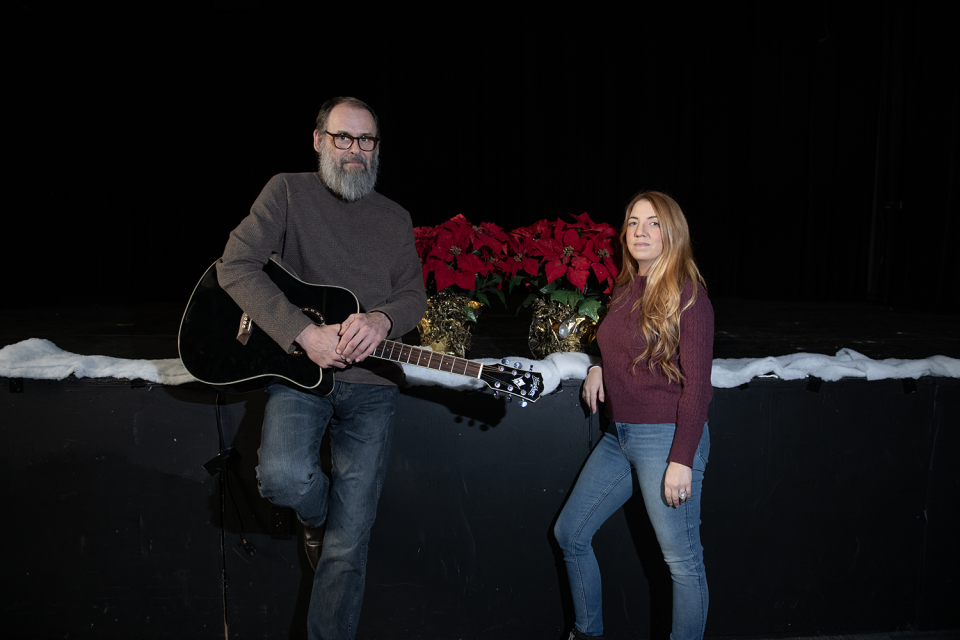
(313, 543)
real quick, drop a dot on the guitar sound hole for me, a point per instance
(314, 315)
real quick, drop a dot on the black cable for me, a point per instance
(225, 478)
(223, 547)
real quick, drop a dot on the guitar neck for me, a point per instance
(418, 357)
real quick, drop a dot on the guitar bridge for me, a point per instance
(246, 328)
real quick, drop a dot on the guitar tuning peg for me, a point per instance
(503, 361)
(496, 394)
(517, 365)
(527, 375)
(509, 398)
(509, 387)
(523, 403)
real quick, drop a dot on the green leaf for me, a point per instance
(529, 300)
(567, 297)
(514, 281)
(590, 308)
(471, 316)
(549, 287)
(482, 297)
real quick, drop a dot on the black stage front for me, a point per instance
(827, 509)
(744, 329)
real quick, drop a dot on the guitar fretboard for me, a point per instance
(399, 352)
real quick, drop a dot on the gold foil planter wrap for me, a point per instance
(445, 327)
(551, 320)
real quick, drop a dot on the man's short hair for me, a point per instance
(347, 100)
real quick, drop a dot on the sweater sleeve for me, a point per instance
(696, 362)
(408, 300)
(241, 273)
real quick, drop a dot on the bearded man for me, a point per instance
(331, 228)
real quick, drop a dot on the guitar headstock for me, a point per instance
(512, 380)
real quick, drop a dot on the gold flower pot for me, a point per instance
(445, 327)
(557, 328)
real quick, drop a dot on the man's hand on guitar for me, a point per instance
(320, 344)
(360, 334)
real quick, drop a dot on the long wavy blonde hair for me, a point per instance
(659, 306)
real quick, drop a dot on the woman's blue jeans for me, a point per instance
(603, 486)
(360, 418)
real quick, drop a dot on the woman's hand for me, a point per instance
(676, 481)
(593, 388)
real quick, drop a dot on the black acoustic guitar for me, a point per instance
(220, 345)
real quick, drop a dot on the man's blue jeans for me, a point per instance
(360, 418)
(604, 486)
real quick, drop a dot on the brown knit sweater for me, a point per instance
(646, 397)
(365, 246)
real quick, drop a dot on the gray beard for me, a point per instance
(349, 185)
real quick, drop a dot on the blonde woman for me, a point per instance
(654, 384)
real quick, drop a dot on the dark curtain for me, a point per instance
(813, 145)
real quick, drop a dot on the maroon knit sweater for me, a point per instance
(646, 397)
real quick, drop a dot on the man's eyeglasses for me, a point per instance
(345, 141)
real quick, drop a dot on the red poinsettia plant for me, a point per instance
(571, 262)
(464, 256)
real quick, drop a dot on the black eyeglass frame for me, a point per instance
(353, 139)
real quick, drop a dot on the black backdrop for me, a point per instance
(813, 145)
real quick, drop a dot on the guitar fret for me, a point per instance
(428, 359)
(399, 352)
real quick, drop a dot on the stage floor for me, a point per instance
(744, 329)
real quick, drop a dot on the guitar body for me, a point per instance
(211, 351)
